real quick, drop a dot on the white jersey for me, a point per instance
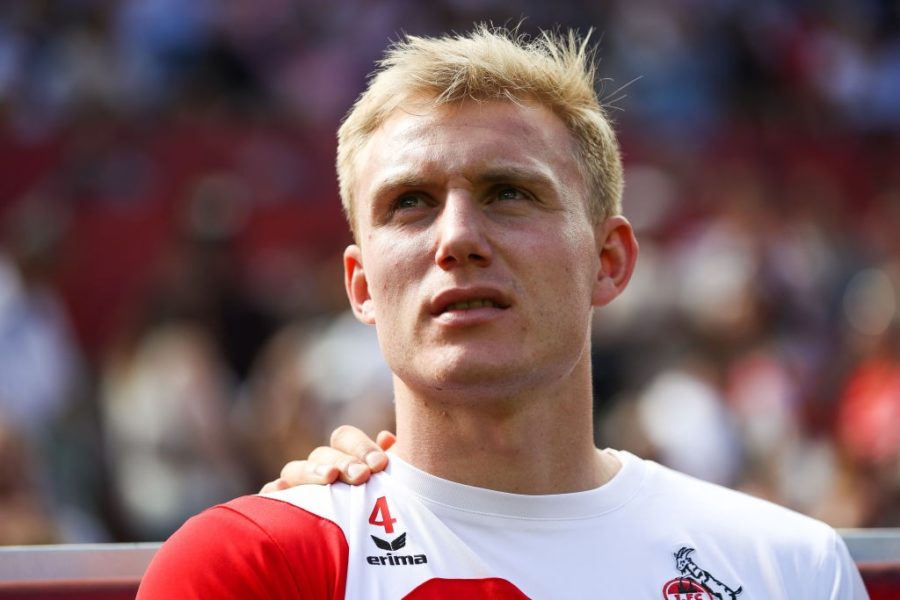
(648, 533)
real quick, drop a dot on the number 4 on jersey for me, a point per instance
(381, 516)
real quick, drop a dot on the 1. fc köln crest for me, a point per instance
(684, 588)
(696, 583)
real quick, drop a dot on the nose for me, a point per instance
(461, 236)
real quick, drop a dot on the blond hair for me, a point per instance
(553, 70)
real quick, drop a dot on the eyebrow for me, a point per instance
(399, 180)
(503, 174)
(516, 174)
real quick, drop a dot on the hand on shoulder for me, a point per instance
(352, 458)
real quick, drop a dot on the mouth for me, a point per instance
(470, 304)
(462, 300)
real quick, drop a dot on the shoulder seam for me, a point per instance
(281, 551)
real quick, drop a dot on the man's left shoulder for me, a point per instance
(748, 540)
(703, 505)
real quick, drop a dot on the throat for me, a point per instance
(516, 455)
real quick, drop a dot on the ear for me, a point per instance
(618, 251)
(357, 285)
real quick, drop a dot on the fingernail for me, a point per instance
(322, 470)
(356, 470)
(374, 459)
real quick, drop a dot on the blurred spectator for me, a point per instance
(169, 447)
(169, 385)
(311, 378)
(44, 413)
(39, 363)
(687, 425)
(24, 512)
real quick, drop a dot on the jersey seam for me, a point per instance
(268, 535)
(637, 488)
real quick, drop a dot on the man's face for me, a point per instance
(477, 259)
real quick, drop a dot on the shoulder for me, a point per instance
(737, 535)
(727, 523)
(699, 502)
(253, 546)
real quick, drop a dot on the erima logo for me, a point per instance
(395, 545)
(395, 559)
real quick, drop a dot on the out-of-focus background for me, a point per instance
(173, 326)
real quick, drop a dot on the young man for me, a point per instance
(482, 181)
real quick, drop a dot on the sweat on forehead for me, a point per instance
(556, 71)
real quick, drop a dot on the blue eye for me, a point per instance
(408, 201)
(510, 193)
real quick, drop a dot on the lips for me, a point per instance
(460, 299)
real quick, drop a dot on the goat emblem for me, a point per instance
(693, 574)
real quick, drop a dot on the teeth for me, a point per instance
(467, 304)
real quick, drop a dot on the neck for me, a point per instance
(535, 441)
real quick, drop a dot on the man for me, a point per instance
(482, 182)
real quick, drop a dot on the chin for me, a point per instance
(475, 379)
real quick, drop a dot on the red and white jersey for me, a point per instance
(648, 533)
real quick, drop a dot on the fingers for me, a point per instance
(309, 471)
(298, 472)
(352, 458)
(347, 468)
(385, 439)
(274, 486)
(357, 444)
(270, 487)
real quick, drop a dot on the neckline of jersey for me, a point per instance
(460, 498)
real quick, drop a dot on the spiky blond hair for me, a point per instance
(554, 70)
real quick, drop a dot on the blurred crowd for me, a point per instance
(172, 320)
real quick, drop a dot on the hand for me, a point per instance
(352, 458)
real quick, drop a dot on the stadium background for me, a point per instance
(172, 319)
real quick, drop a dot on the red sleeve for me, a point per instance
(251, 547)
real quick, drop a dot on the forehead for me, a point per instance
(464, 140)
